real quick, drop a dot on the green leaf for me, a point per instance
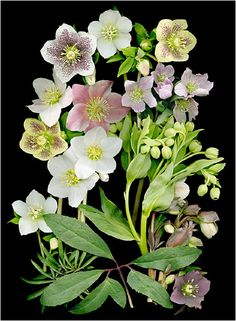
(143, 284)
(163, 116)
(141, 32)
(177, 257)
(138, 167)
(160, 193)
(36, 282)
(125, 66)
(124, 158)
(111, 222)
(96, 57)
(14, 220)
(126, 132)
(38, 268)
(34, 295)
(135, 134)
(98, 296)
(116, 57)
(68, 287)
(130, 51)
(78, 235)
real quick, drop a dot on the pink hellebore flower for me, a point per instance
(95, 106)
(163, 77)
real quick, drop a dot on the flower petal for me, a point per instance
(122, 41)
(43, 154)
(95, 28)
(179, 115)
(106, 48)
(189, 38)
(146, 82)
(116, 110)
(66, 99)
(38, 108)
(77, 119)
(35, 199)
(28, 144)
(84, 168)
(105, 165)
(46, 51)
(179, 24)
(21, 208)
(124, 24)
(56, 188)
(80, 94)
(59, 165)
(64, 27)
(76, 195)
(54, 130)
(43, 226)
(94, 135)
(91, 181)
(111, 146)
(85, 67)
(150, 100)
(58, 145)
(138, 107)
(27, 225)
(100, 89)
(163, 29)
(50, 206)
(41, 85)
(88, 42)
(34, 126)
(109, 17)
(180, 90)
(51, 115)
(163, 53)
(78, 146)
(101, 123)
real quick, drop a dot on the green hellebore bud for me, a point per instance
(169, 142)
(155, 152)
(179, 127)
(169, 228)
(202, 190)
(170, 132)
(145, 149)
(189, 126)
(166, 152)
(113, 128)
(53, 243)
(181, 273)
(170, 279)
(215, 193)
(119, 125)
(212, 152)
(146, 44)
(195, 146)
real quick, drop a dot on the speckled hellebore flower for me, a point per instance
(138, 93)
(70, 53)
(175, 41)
(95, 106)
(183, 106)
(112, 32)
(163, 77)
(65, 182)
(95, 152)
(193, 85)
(32, 212)
(53, 96)
(41, 141)
(190, 289)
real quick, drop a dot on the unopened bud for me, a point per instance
(170, 279)
(181, 273)
(195, 146)
(202, 190)
(91, 79)
(179, 127)
(209, 229)
(155, 152)
(181, 190)
(169, 228)
(104, 177)
(195, 242)
(161, 276)
(143, 67)
(53, 243)
(179, 237)
(170, 132)
(145, 149)
(189, 126)
(146, 44)
(166, 152)
(215, 193)
(208, 217)
(169, 142)
(212, 153)
(113, 128)
(119, 125)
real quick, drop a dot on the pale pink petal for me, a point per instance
(100, 89)
(126, 100)
(169, 71)
(80, 94)
(187, 76)
(77, 118)
(130, 84)
(181, 90)
(164, 91)
(116, 110)
(150, 100)
(102, 124)
(146, 82)
(138, 107)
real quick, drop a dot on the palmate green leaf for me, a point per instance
(125, 133)
(98, 296)
(160, 193)
(111, 221)
(78, 235)
(68, 287)
(143, 284)
(177, 258)
(138, 167)
(125, 66)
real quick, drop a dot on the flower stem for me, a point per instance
(158, 168)
(81, 216)
(41, 249)
(189, 156)
(151, 272)
(125, 286)
(143, 242)
(128, 215)
(151, 56)
(59, 207)
(137, 200)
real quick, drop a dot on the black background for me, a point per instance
(26, 26)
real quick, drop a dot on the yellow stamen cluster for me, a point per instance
(109, 32)
(94, 152)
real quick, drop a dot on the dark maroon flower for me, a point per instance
(190, 289)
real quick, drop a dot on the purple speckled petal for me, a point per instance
(181, 90)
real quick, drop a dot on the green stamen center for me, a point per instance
(36, 213)
(97, 109)
(175, 42)
(188, 289)
(183, 104)
(70, 178)
(52, 96)
(191, 87)
(71, 53)
(94, 152)
(109, 32)
(161, 77)
(137, 95)
(43, 140)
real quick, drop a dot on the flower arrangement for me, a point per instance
(147, 133)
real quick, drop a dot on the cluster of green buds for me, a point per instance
(114, 128)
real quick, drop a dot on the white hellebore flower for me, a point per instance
(181, 189)
(53, 96)
(95, 152)
(65, 182)
(32, 212)
(112, 32)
